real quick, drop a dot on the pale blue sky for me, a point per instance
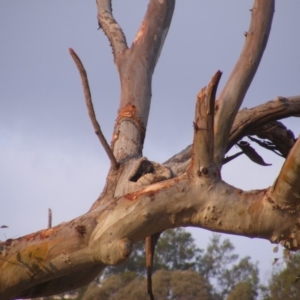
(49, 155)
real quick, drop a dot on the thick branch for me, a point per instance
(151, 36)
(286, 189)
(104, 236)
(110, 27)
(139, 62)
(241, 77)
(91, 111)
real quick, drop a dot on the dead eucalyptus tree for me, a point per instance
(142, 198)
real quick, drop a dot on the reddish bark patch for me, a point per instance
(130, 111)
(41, 234)
(131, 196)
(151, 193)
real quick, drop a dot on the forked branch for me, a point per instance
(241, 77)
(91, 111)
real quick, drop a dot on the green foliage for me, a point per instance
(219, 264)
(135, 290)
(176, 250)
(171, 285)
(179, 285)
(242, 290)
(188, 285)
(183, 271)
(217, 255)
(283, 283)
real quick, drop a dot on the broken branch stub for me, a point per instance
(286, 189)
(203, 144)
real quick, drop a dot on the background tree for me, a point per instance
(220, 267)
(141, 197)
(284, 282)
(178, 278)
(243, 290)
(176, 249)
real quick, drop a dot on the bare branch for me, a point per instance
(150, 243)
(203, 144)
(286, 189)
(110, 27)
(265, 144)
(49, 218)
(241, 77)
(90, 107)
(248, 121)
(252, 154)
(141, 58)
(227, 159)
(280, 140)
(150, 37)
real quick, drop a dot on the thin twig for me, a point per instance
(90, 107)
(49, 218)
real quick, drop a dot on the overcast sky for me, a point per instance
(49, 154)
